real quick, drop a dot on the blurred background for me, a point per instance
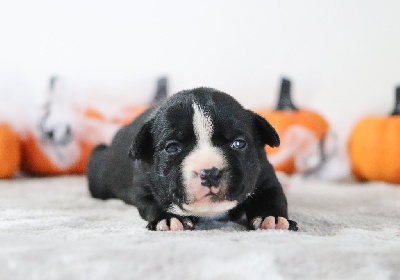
(343, 57)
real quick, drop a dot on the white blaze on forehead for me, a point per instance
(204, 155)
(203, 126)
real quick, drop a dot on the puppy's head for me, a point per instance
(205, 151)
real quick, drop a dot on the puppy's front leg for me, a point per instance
(159, 219)
(266, 208)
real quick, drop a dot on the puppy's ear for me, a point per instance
(142, 146)
(264, 130)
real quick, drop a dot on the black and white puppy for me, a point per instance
(199, 153)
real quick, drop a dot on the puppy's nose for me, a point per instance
(210, 177)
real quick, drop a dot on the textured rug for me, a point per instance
(51, 229)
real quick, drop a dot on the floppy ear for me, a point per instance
(264, 130)
(142, 146)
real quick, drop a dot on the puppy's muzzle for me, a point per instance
(210, 177)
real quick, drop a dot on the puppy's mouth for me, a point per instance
(206, 203)
(206, 194)
(210, 197)
(210, 203)
(210, 194)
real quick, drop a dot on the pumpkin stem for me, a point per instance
(285, 98)
(396, 111)
(162, 92)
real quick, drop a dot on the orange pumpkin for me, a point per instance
(285, 118)
(10, 151)
(374, 149)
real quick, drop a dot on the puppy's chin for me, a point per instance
(204, 207)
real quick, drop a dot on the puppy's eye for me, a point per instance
(238, 144)
(173, 148)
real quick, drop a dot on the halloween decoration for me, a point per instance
(127, 114)
(99, 127)
(374, 147)
(52, 148)
(10, 151)
(302, 134)
(65, 135)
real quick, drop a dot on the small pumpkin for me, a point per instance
(10, 151)
(296, 128)
(374, 149)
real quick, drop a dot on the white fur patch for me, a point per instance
(162, 225)
(201, 209)
(203, 156)
(256, 222)
(203, 126)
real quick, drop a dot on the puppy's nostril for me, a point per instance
(203, 174)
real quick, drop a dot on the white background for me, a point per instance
(343, 56)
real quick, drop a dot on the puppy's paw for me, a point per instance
(272, 222)
(172, 223)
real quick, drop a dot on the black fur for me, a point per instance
(136, 168)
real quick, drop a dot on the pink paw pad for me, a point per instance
(282, 223)
(269, 223)
(175, 225)
(172, 225)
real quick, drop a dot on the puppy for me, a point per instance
(198, 153)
